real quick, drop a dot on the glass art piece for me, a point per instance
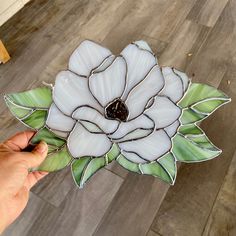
(123, 108)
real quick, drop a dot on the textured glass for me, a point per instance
(122, 108)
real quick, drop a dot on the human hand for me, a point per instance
(15, 179)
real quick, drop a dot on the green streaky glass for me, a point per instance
(134, 167)
(47, 136)
(155, 169)
(185, 150)
(56, 161)
(36, 120)
(93, 166)
(204, 142)
(190, 129)
(37, 98)
(209, 106)
(200, 92)
(113, 153)
(168, 162)
(77, 168)
(17, 111)
(189, 116)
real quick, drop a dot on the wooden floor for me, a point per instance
(197, 36)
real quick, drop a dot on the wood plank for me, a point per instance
(168, 17)
(55, 187)
(152, 233)
(134, 206)
(82, 209)
(188, 204)
(222, 220)
(207, 12)
(32, 212)
(186, 42)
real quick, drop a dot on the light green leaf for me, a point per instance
(84, 168)
(113, 153)
(200, 101)
(190, 129)
(36, 120)
(189, 117)
(169, 164)
(77, 168)
(56, 160)
(49, 137)
(16, 110)
(35, 98)
(204, 142)
(157, 170)
(187, 150)
(131, 166)
(201, 93)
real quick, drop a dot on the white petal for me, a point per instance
(135, 134)
(125, 127)
(57, 120)
(133, 157)
(91, 127)
(149, 148)
(172, 129)
(86, 57)
(71, 91)
(143, 45)
(107, 62)
(163, 112)
(109, 84)
(184, 78)
(173, 85)
(139, 63)
(83, 143)
(143, 91)
(60, 133)
(92, 115)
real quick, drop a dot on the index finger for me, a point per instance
(19, 141)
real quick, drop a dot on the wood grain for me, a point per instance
(197, 36)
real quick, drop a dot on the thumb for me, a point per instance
(37, 156)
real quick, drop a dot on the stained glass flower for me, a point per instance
(125, 108)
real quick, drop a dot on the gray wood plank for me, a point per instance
(222, 220)
(35, 208)
(134, 206)
(186, 42)
(55, 186)
(81, 210)
(207, 12)
(169, 16)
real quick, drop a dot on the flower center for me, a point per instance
(117, 110)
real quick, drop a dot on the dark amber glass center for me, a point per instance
(117, 110)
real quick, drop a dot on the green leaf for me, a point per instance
(187, 150)
(36, 120)
(16, 110)
(169, 164)
(35, 98)
(200, 101)
(190, 129)
(49, 137)
(201, 93)
(113, 153)
(156, 169)
(189, 117)
(129, 165)
(84, 168)
(77, 167)
(56, 160)
(204, 142)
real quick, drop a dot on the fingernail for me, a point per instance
(41, 147)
